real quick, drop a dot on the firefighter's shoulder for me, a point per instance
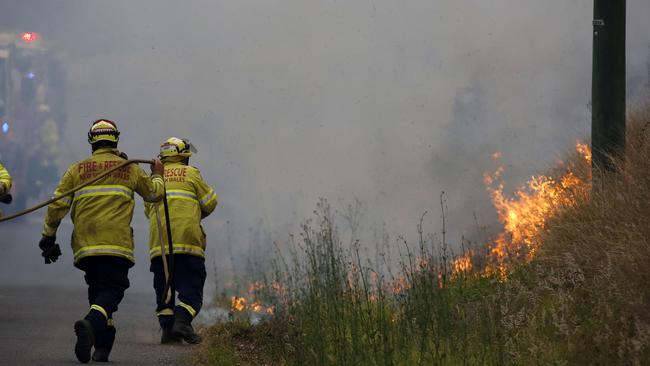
(194, 171)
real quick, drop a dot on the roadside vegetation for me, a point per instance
(566, 283)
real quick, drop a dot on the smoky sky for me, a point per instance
(391, 102)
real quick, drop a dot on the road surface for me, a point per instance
(36, 329)
(39, 304)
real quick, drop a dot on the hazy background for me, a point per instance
(388, 101)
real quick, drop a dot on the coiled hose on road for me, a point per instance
(168, 260)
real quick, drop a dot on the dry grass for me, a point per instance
(599, 248)
(237, 343)
(607, 235)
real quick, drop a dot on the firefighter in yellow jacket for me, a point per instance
(102, 238)
(190, 200)
(5, 181)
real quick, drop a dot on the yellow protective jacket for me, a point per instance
(102, 212)
(190, 200)
(5, 178)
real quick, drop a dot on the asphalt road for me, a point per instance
(39, 304)
(36, 328)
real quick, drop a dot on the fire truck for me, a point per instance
(32, 110)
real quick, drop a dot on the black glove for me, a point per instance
(51, 250)
(6, 198)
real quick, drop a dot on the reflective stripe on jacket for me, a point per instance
(5, 178)
(102, 212)
(190, 200)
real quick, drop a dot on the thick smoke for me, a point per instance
(387, 101)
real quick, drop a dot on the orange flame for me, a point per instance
(238, 303)
(462, 264)
(250, 301)
(257, 307)
(525, 214)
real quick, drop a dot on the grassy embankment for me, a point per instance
(582, 298)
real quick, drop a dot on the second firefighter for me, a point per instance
(190, 199)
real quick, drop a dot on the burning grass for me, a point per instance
(526, 213)
(564, 283)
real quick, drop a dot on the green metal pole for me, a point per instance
(608, 84)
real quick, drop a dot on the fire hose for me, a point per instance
(168, 262)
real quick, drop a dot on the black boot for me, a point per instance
(166, 323)
(85, 340)
(168, 337)
(104, 344)
(183, 327)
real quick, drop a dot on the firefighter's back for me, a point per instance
(188, 195)
(102, 212)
